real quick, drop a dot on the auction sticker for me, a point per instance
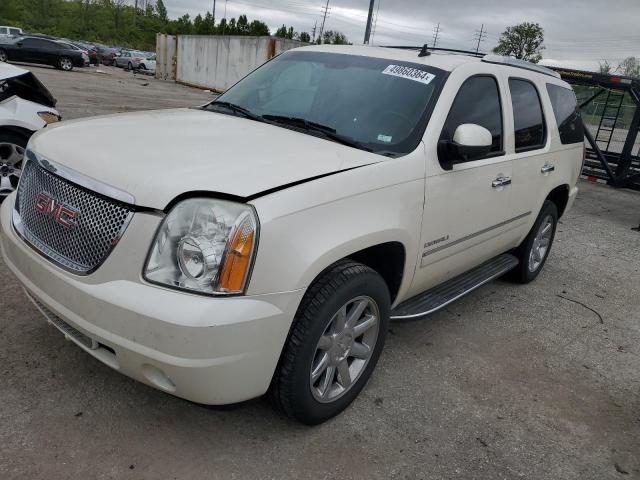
(409, 73)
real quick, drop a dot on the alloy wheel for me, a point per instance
(541, 243)
(344, 350)
(66, 64)
(11, 156)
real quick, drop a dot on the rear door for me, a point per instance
(467, 210)
(534, 163)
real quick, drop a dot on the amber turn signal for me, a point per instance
(237, 262)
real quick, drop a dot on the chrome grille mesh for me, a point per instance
(87, 244)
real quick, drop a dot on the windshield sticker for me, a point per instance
(385, 138)
(409, 73)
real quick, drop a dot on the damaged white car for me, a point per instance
(26, 106)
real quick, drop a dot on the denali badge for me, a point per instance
(59, 213)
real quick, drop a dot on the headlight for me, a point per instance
(205, 246)
(49, 117)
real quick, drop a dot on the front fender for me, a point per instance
(17, 112)
(306, 228)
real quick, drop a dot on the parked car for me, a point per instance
(26, 106)
(91, 49)
(148, 64)
(128, 59)
(56, 53)
(10, 32)
(106, 55)
(264, 242)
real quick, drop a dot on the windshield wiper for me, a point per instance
(237, 109)
(325, 131)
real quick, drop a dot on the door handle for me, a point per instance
(501, 182)
(548, 168)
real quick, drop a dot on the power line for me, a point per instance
(325, 10)
(480, 37)
(436, 34)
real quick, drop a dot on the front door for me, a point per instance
(467, 215)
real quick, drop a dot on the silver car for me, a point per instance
(129, 59)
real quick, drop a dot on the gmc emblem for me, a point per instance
(59, 213)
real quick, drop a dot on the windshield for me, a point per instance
(380, 104)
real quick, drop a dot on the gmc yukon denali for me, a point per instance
(265, 241)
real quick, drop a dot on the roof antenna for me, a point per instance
(425, 51)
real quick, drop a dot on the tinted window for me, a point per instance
(478, 101)
(13, 31)
(37, 43)
(3, 31)
(565, 109)
(527, 115)
(379, 103)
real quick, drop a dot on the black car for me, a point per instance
(46, 51)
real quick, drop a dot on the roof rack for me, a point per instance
(514, 62)
(426, 50)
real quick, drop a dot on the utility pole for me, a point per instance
(367, 32)
(315, 25)
(375, 22)
(436, 34)
(325, 10)
(214, 12)
(480, 37)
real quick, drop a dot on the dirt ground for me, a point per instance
(539, 381)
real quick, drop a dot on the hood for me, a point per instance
(24, 84)
(157, 156)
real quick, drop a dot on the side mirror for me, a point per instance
(470, 142)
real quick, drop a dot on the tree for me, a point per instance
(605, 67)
(630, 67)
(335, 38)
(523, 41)
(162, 11)
(304, 37)
(284, 32)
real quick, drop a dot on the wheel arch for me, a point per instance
(25, 132)
(560, 197)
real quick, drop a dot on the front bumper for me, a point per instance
(207, 350)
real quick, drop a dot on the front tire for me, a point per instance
(12, 148)
(3, 56)
(334, 343)
(534, 251)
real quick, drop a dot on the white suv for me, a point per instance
(265, 240)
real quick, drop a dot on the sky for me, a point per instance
(578, 33)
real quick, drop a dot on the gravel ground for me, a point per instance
(539, 381)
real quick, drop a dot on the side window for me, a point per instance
(478, 102)
(3, 31)
(13, 31)
(528, 119)
(565, 109)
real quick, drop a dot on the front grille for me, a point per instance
(80, 247)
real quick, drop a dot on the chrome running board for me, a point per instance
(439, 297)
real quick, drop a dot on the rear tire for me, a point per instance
(334, 343)
(3, 56)
(129, 67)
(534, 250)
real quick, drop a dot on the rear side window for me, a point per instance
(565, 109)
(529, 126)
(478, 102)
(3, 31)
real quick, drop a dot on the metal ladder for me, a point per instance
(612, 107)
